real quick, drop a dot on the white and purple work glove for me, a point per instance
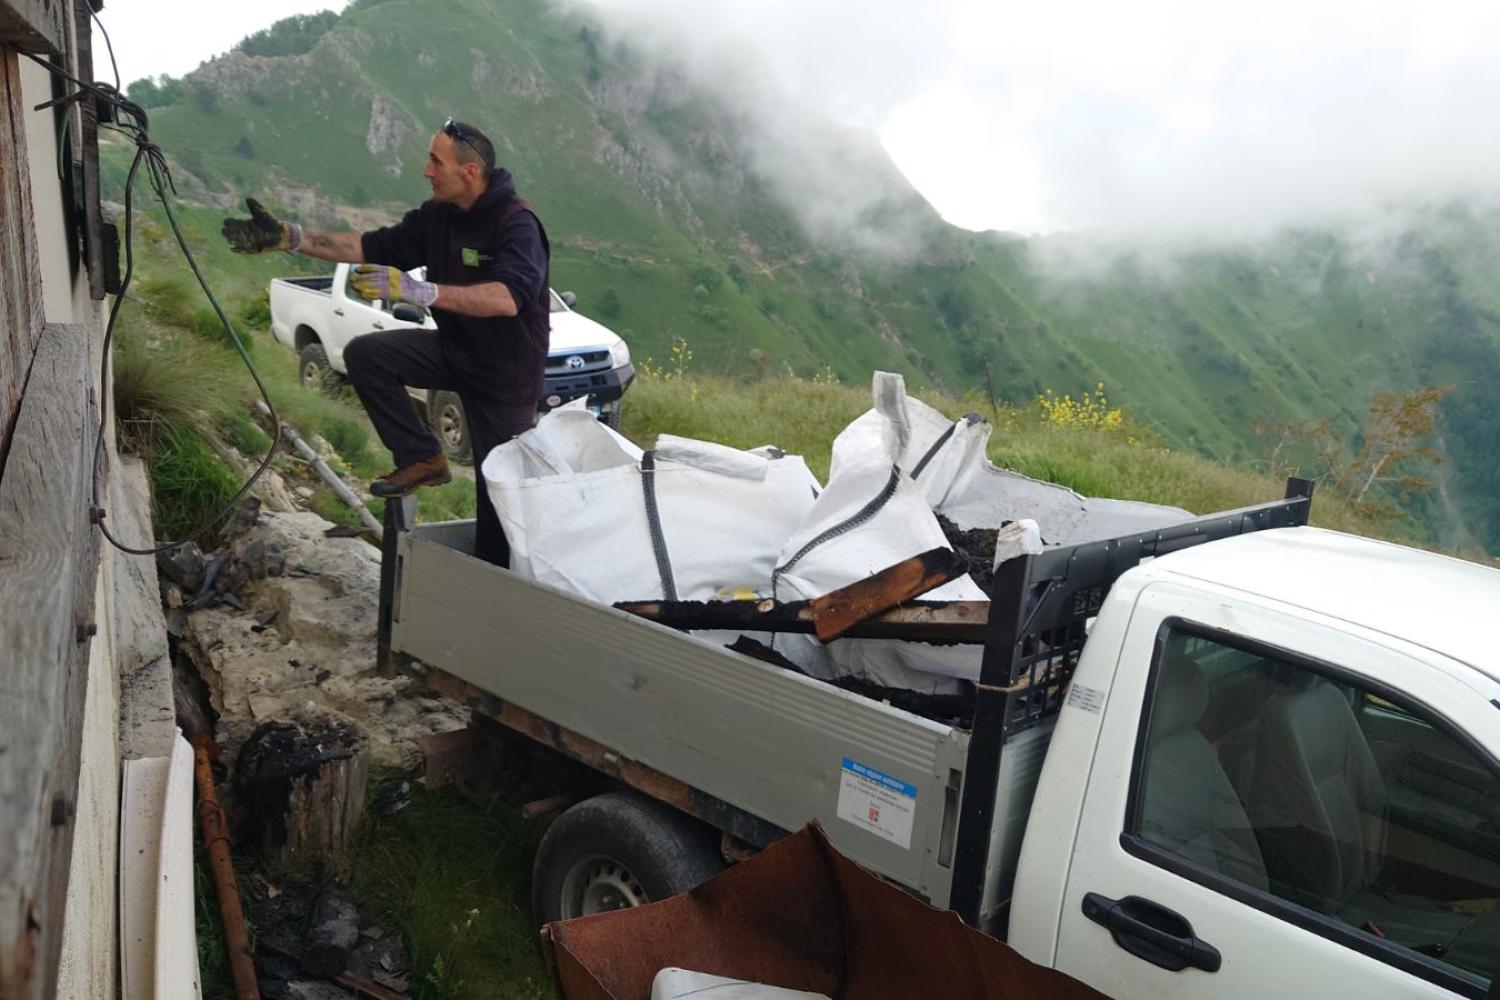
(391, 284)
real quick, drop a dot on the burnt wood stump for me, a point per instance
(303, 781)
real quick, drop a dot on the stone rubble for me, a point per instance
(283, 621)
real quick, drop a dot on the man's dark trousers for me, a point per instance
(381, 365)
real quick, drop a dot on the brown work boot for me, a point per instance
(430, 472)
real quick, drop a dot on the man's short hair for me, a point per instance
(470, 144)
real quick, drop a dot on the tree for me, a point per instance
(155, 92)
(1307, 448)
(1395, 433)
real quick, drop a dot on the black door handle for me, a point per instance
(1151, 932)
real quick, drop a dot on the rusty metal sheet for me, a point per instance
(801, 916)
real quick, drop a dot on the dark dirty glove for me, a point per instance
(261, 232)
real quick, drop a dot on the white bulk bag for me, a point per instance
(948, 460)
(870, 516)
(572, 499)
(678, 984)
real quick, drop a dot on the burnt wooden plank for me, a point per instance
(49, 561)
(916, 621)
(35, 25)
(839, 610)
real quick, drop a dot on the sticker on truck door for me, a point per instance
(877, 802)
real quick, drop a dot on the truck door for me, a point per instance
(1283, 808)
(353, 316)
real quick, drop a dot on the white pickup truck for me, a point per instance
(1232, 759)
(317, 317)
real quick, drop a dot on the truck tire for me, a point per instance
(314, 371)
(445, 415)
(612, 417)
(619, 850)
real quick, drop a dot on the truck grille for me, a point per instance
(588, 361)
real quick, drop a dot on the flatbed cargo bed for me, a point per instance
(757, 750)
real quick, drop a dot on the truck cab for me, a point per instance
(1277, 773)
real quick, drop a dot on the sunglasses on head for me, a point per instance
(456, 131)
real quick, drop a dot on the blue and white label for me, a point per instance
(875, 801)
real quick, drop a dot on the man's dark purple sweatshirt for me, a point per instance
(498, 239)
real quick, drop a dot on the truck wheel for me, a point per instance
(612, 417)
(446, 416)
(314, 371)
(619, 850)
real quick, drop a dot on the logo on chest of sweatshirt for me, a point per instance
(473, 258)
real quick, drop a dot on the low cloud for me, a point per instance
(1163, 118)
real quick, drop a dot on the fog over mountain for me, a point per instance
(1161, 117)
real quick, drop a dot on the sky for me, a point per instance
(171, 37)
(1160, 116)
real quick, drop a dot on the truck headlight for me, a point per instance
(619, 354)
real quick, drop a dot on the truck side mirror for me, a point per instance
(408, 313)
(569, 299)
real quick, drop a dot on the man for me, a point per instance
(487, 259)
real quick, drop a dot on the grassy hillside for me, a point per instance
(666, 223)
(183, 395)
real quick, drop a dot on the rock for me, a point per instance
(333, 932)
(183, 565)
(274, 972)
(272, 490)
(321, 651)
(381, 957)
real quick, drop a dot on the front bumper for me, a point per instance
(600, 387)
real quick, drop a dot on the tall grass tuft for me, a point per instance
(190, 484)
(167, 386)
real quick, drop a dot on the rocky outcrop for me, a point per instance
(389, 131)
(303, 638)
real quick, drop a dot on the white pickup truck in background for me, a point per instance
(317, 317)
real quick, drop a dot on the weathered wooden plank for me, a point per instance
(93, 221)
(12, 322)
(20, 289)
(49, 562)
(29, 276)
(35, 25)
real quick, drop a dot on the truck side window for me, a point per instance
(1351, 805)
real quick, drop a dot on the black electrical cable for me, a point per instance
(132, 120)
(108, 45)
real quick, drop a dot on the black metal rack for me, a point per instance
(1038, 620)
